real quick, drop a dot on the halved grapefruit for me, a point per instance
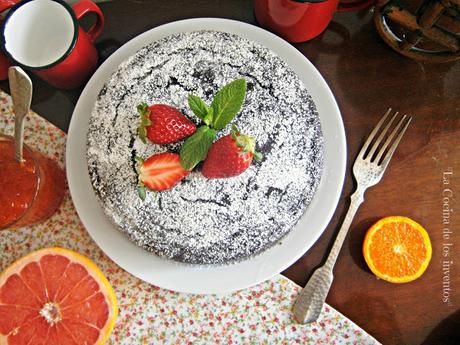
(55, 296)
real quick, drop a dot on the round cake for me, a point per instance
(207, 221)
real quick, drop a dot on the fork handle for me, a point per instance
(356, 200)
(310, 301)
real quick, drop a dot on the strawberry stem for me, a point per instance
(140, 184)
(257, 156)
(139, 160)
(141, 190)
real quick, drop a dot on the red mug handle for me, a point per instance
(86, 6)
(354, 5)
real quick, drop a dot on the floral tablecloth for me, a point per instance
(151, 315)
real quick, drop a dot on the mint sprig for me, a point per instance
(196, 147)
(227, 103)
(200, 108)
(224, 107)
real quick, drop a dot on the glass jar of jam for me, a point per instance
(30, 191)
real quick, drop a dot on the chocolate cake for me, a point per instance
(202, 221)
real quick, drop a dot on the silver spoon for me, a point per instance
(21, 92)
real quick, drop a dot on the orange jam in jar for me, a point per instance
(30, 191)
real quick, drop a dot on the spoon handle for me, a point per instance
(18, 136)
(21, 93)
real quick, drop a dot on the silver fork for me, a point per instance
(368, 169)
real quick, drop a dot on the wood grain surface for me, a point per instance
(366, 77)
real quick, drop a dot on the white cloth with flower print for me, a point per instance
(151, 315)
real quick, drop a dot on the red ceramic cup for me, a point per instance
(5, 63)
(301, 21)
(43, 36)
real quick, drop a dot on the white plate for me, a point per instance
(220, 279)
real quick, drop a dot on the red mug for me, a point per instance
(298, 21)
(5, 63)
(60, 52)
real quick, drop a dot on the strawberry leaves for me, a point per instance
(246, 143)
(196, 147)
(144, 111)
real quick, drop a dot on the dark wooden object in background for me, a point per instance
(435, 21)
(366, 77)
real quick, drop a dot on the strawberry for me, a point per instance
(159, 172)
(163, 124)
(230, 156)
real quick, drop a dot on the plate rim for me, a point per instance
(207, 277)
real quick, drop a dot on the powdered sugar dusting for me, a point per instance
(207, 221)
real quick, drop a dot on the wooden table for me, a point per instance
(366, 77)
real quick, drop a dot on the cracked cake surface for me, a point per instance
(202, 221)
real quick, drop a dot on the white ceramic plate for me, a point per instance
(219, 279)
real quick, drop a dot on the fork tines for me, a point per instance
(380, 151)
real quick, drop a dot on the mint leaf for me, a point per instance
(198, 106)
(209, 116)
(227, 103)
(195, 149)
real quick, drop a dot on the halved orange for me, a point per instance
(397, 249)
(55, 296)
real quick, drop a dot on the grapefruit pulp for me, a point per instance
(55, 296)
